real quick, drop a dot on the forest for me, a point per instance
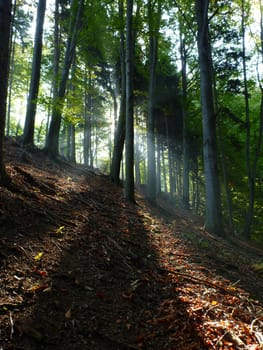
(161, 95)
(131, 174)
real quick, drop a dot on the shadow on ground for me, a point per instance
(79, 270)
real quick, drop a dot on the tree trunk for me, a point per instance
(119, 136)
(28, 137)
(213, 215)
(154, 24)
(252, 165)
(88, 160)
(11, 67)
(72, 143)
(129, 129)
(158, 166)
(137, 161)
(5, 24)
(52, 144)
(185, 197)
(164, 169)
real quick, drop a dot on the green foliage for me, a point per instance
(15, 128)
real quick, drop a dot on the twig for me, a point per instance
(221, 338)
(198, 280)
(11, 325)
(236, 338)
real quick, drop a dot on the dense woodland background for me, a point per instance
(163, 95)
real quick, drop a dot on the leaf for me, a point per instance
(214, 302)
(43, 273)
(37, 287)
(60, 229)
(38, 256)
(68, 314)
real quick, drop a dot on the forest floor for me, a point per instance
(81, 268)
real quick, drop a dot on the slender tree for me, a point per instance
(183, 54)
(5, 24)
(28, 137)
(154, 17)
(52, 142)
(213, 215)
(251, 161)
(56, 59)
(129, 129)
(119, 136)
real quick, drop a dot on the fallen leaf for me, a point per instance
(41, 273)
(60, 229)
(38, 256)
(37, 287)
(68, 314)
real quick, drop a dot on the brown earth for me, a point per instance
(81, 268)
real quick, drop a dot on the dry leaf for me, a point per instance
(38, 256)
(68, 314)
(37, 287)
(60, 229)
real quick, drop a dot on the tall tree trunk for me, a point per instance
(88, 158)
(28, 137)
(56, 58)
(11, 67)
(119, 136)
(185, 197)
(5, 24)
(164, 169)
(52, 143)
(129, 128)
(158, 166)
(252, 165)
(213, 215)
(72, 143)
(137, 161)
(154, 24)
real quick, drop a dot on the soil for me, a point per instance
(82, 268)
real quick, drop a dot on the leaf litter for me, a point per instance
(81, 268)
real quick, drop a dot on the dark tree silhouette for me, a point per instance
(5, 25)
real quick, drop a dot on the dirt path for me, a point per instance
(83, 269)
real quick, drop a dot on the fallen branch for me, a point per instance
(198, 280)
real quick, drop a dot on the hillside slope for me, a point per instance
(81, 268)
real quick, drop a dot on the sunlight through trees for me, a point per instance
(165, 97)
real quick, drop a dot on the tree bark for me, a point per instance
(154, 24)
(28, 137)
(5, 24)
(119, 136)
(252, 165)
(213, 215)
(185, 197)
(129, 129)
(52, 144)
